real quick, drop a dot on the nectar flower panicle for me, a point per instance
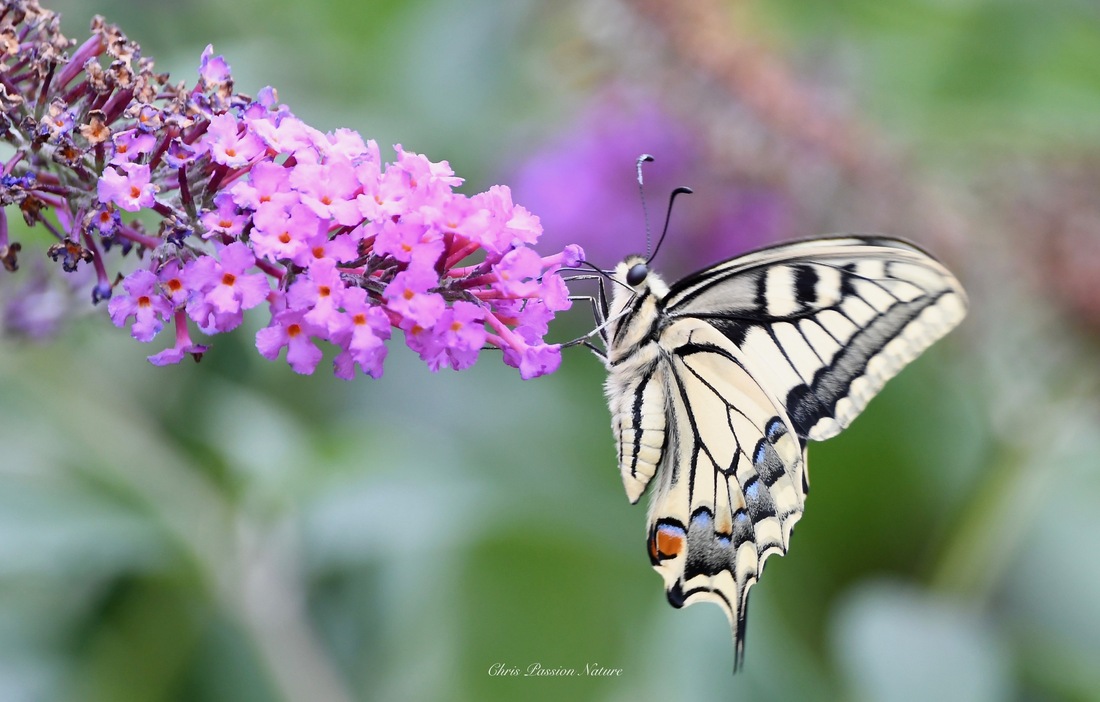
(257, 209)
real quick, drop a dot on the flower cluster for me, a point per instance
(255, 208)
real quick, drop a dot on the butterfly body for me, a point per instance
(717, 382)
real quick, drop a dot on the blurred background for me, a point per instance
(232, 531)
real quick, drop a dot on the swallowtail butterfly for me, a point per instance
(717, 383)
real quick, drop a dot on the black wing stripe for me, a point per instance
(636, 421)
(807, 403)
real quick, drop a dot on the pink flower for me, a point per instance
(183, 347)
(361, 334)
(319, 292)
(171, 283)
(518, 272)
(329, 189)
(223, 289)
(289, 329)
(408, 296)
(259, 210)
(461, 332)
(409, 243)
(229, 144)
(128, 186)
(213, 69)
(533, 361)
(266, 181)
(143, 302)
(131, 144)
(282, 225)
(226, 220)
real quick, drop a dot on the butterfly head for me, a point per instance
(637, 274)
(633, 277)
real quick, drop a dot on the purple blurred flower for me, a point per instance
(583, 181)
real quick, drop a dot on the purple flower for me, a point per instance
(279, 226)
(224, 221)
(128, 186)
(408, 296)
(213, 69)
(222, 290)
(183, 347)
(143, 302)
(533, 361)
(329, 189)
(583, 184)
(318, 291)
(362, 333)
(330, 242)
(131, 145)
(518, 271)
(461, 334)
(290, 329)
(229, 144)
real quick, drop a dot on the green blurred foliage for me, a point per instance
(232, 531)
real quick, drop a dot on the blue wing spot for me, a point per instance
(752, 491)
(775, 430)
(761, 452)
(759, 502)
(701, 518)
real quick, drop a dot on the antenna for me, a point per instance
(644, 158)
(668, 217)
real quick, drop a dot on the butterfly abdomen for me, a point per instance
(636, 393)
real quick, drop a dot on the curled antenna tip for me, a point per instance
(644, 158)
(682, 190)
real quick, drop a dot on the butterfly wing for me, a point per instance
(825, 322)
(733, 482)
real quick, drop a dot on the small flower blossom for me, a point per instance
(144, 303)
(362, 333)
(223, 289)
(290, 329)
(259, 210)
(183, 347)
(128, 186)
(131, 145)
(228, 144)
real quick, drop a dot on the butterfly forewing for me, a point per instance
(827, 322)
(716, 383)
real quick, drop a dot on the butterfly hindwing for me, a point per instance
(735, 479)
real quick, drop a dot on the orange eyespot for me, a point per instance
(667, 542)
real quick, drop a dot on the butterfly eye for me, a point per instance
(637, 274)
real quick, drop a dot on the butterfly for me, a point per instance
(717, 382)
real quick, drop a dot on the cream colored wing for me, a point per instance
(732, 481)
(824, 323)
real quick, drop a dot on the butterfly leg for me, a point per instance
(586, 340)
